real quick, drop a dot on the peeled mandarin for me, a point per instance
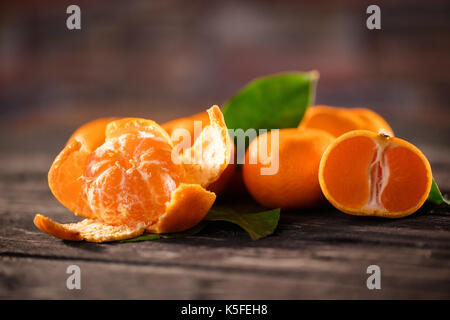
(124, 177)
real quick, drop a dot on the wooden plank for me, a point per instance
(429, 228)
(326, 279)
(319, 253)
(313, 254)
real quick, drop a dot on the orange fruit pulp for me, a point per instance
(125, 178)
(369, 174)
(297, 155)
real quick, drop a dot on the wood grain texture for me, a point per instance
(177, 59)
(318, 253)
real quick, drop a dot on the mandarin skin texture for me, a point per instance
(337, 120)
(295, 185)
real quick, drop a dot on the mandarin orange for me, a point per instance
(124, 177)
(297, 155)
(369, 174)
(338, 121)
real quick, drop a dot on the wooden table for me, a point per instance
(313, 254)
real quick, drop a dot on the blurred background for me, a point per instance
(171, 58)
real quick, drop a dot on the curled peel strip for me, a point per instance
(89, 230)
(209, 156)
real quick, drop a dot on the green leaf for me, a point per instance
(273, 102)
(258, 225)
(436, 196)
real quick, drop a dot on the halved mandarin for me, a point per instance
(369, 174)
(125, 177)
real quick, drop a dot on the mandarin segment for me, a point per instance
(65, 178)
(346, 171)
(362, 173)
(66, 173)
(142, 127)
(130, 177)
(409, 182)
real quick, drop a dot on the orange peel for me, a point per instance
(87, 229)
(125, 178)
(339, 120)
(178, 129)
